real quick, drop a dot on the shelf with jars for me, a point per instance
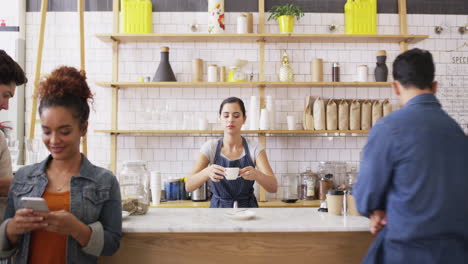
(261, 38)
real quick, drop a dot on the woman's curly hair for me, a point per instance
(66, 87)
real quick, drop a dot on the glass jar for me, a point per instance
(289, 183)
(134, 186)
(307, 185)
(325, 184)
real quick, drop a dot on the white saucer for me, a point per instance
(241, 215)
(125, 214)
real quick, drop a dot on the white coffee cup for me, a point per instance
(231, 173)
(291, 122)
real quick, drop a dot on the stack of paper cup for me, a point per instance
(155, 185)
(264, 119)
(270, 105)
(254, 113)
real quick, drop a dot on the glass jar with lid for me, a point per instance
(325, 183)
(134, 186)
(307, 187)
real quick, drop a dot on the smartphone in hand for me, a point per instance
(36, 203)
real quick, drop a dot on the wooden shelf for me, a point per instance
(315, 84)
(226, 37)
(116, 131)
(179, 84)
(343, 38)
(239, 84)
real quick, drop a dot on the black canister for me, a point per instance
(164, 72)
(381, 70)
(336, 72)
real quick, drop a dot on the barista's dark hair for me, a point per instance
(66, 87)
(10, 71)
(233, 100)
(416, 68)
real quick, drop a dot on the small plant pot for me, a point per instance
(286, 24)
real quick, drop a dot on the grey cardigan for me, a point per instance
(94, 199)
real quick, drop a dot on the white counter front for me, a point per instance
(209, 220)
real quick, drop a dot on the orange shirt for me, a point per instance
(50, 247)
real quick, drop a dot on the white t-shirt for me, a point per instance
(209, 150)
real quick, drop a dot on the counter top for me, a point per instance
(268, 204)
(211, 220)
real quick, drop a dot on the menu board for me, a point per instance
(453, 89)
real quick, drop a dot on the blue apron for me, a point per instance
(226, 192)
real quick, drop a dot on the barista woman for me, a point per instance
(232, 150)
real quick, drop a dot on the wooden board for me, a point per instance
(194, 248)
(239, 84)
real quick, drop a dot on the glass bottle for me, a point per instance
(164, 72)
(308, 185)
(134, 187)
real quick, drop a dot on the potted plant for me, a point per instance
(285, 15)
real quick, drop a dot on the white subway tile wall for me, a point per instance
(181, 108)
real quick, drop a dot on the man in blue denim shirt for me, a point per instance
(413, 178)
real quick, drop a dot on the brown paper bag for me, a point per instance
(366, 115)
(377, 111)
(343, 115)
(319, 114)
(307, 116)
(387, 107)
(355, 115)
(332, 115)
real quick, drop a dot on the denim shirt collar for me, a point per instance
(427, 98)
(86, 168)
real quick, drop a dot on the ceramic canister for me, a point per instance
(242, 24)
(362, 73)
(212, 73)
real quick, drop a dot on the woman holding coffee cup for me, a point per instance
(232, 164)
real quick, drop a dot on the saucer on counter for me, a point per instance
(125, 215)
(241, 214)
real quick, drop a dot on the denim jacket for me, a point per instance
(94, 199)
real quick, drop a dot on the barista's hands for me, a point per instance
(24, 221)
(378, 219)
(249, 173)
(213, 171)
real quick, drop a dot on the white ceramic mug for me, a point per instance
(231, 173)
(291, 122)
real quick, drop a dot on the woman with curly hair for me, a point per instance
(84, 219)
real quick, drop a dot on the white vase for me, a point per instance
(216, 16)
